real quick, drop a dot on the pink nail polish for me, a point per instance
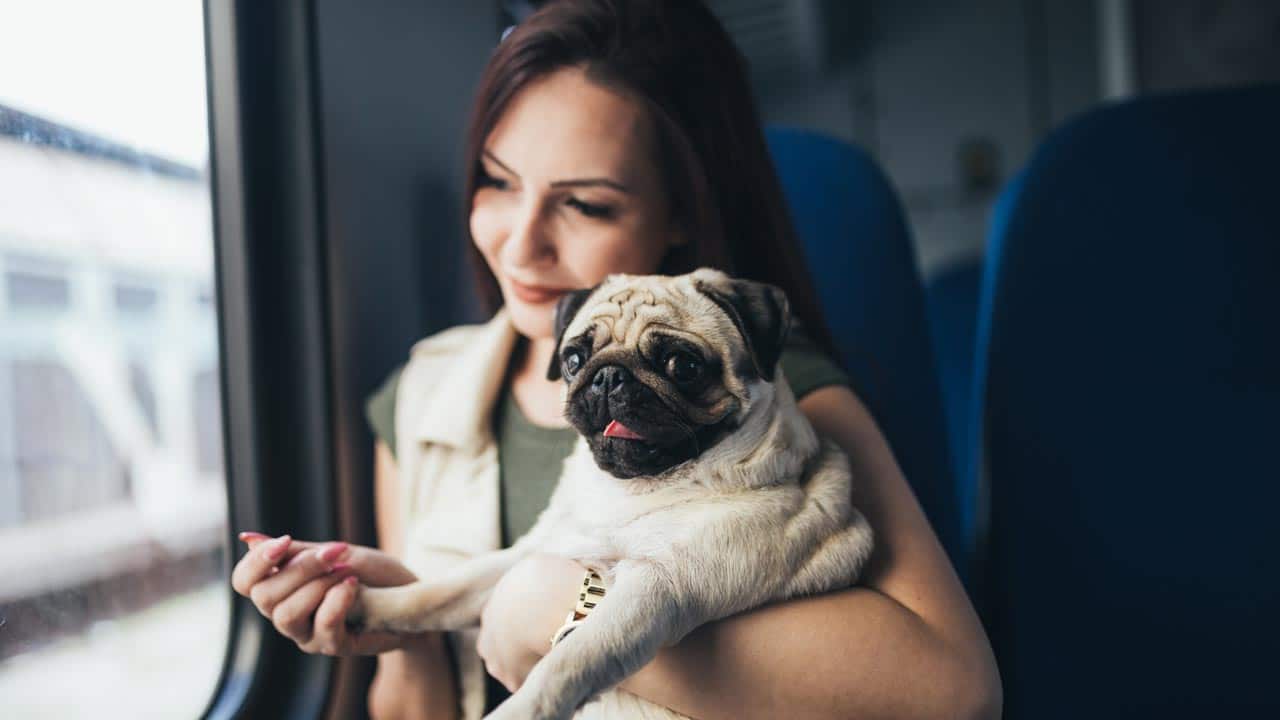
(340, 567)
(351, 580)
(332, 552)
(276, 548)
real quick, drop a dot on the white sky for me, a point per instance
(131, 71)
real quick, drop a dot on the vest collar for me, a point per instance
(458, 410)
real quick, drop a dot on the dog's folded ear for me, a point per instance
(566, 309)
(759, 310)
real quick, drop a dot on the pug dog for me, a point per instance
(696, 491)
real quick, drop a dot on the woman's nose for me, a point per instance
(528, 240)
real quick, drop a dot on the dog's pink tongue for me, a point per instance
(618, 430)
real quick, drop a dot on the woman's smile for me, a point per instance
(535, 294)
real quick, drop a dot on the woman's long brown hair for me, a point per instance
(678, 61)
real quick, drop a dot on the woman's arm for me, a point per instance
(905, 643)
(417, 681)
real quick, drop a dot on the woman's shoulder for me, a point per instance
(806, 366)
(426, 358)
(445, 342)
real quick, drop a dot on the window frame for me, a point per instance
(306, 257)
(270, 290)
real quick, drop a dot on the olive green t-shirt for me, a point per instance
(530, 457)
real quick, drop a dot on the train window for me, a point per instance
(132, 298)
(28, 289)
(62, 456)
(208, 425)
(204, 298)
(144, 394)
(113, 506)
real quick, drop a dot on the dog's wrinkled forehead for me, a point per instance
(625, 306)
(742, 321)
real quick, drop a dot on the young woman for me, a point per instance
(618, 136)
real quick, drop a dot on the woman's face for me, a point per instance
(569, 192)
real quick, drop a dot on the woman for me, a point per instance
(618, 136)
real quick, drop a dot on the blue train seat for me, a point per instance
(1129, 367)
(951, 297)
(860, 255)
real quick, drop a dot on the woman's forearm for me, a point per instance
(415, 683)
(852, 654)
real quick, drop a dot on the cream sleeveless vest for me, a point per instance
(448, 462)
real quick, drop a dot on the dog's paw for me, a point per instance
(382, 609)
(405, 609)
(356, 613)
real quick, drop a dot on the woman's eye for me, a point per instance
(572, 363)
(683, 368)
(589, 209)
(484, 179)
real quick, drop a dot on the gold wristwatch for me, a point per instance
(588, 597)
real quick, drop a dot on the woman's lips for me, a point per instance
(534, 294)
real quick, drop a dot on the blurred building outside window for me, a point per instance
(113, 504)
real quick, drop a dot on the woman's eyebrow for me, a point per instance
(576, 182)
(588, 182)
(494, 159)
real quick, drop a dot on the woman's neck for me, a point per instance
(541, 400)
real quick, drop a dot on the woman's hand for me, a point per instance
(527, 606)
(306, 589)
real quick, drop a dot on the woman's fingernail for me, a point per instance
(350, 580)
(249, 535)
(340, 567)
(331, 553)
(276, 548)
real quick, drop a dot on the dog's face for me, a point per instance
(660, 369)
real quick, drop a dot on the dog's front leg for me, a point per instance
(451, 602)
(455, 600)
(639, 614)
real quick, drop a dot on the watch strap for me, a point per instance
(589, 595)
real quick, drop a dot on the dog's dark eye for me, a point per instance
(683, 367)
(572, 363)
